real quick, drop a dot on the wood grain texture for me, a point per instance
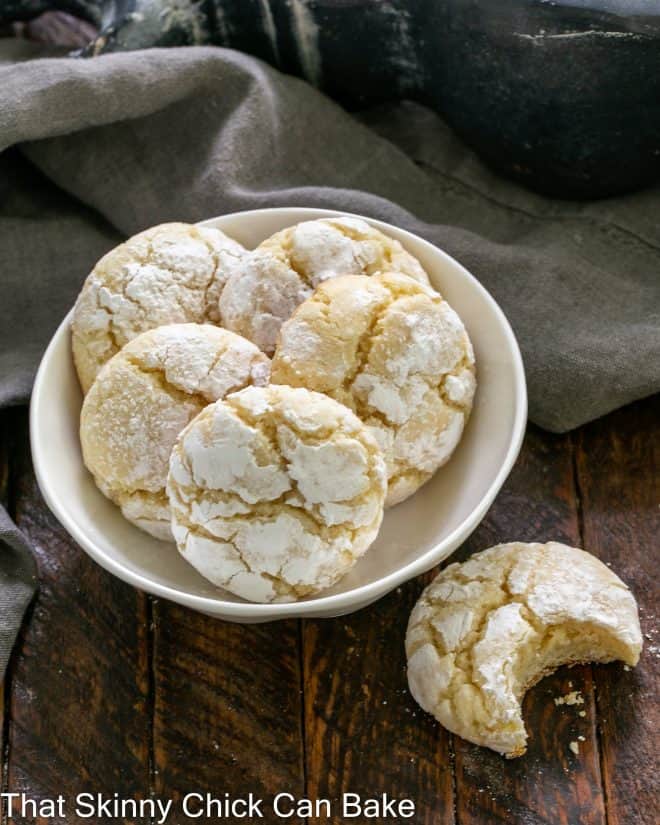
(78, 710)
(356, 692)
(364, 732)
(617, 466)
(549, 784)
(227, 707)
(110, 692)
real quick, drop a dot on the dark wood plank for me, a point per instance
(227, 698)
(78, 703)
(620, 491)
(227, 708)
(549, 784)
(364, 733)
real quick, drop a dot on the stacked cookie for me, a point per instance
(271, 476)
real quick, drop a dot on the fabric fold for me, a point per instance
(124, 141)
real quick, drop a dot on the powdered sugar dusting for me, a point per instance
(145, 396)
(484, 630)
(394, 352)
(172, 273)
(268, 284)
(288, 483)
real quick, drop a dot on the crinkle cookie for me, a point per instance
(396, 353)
(275, 492)
(142, 399)
(169, 274)
(285, 269)
(485, 631)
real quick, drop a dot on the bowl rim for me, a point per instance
(339, 602)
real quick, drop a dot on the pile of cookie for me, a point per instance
(262, 407)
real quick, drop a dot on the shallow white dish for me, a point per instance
(415, 535)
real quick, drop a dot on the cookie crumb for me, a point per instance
(572, 698)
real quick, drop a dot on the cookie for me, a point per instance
(485, 631)
(270, 282)
(142, 399)
(172, 273)
(275, 492)
(395, 352)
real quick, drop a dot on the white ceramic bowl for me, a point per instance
(415, 535)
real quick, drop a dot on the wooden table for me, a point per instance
(111, 691)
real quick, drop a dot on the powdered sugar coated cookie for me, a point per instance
(275, 492)
(485, 631)
(270, 282)
(142, 399)
(396, 353)
(172, 273)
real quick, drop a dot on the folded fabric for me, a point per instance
(18, 580)
(113, 144)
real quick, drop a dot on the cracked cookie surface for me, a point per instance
(172, 273)
(142, 399)
(275, 492)
(486, 630)
(396, 353)
(285, 269)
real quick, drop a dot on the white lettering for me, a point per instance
(85, 805)
(196, 805)
(285, 797)
(383, 807)
(46, 808)
(9, 798)
(285, 805)
(164, 808)
(351, 803)
(188, 810)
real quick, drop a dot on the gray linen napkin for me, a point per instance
(17, 584)
(127, 140)
(98, 149)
